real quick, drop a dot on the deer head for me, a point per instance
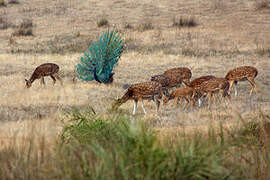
(28, 83)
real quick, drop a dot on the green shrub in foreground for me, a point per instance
(118, 148)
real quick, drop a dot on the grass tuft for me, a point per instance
(4, 24)
(24, 29)
(13, 2)
(145, 26)
(184, 22)
(263, 52)
(263, 4)
(102, 22)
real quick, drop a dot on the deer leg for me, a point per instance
(57, 77)
(186, 102)
(200, 102)
(157, 103)
(176, 99)
(231, 84)
(143, 108)
(53, 78)
(253, 84)
(42, 82)
(228, 96)
(135, 106)
(193, 103)
(209, 95)
(216, 97)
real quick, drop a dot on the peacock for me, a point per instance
(98, 63)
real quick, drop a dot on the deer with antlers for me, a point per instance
(213, 86)
(242, 73)
(139, 92)
(47, 69)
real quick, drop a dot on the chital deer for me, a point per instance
(47, 69)
(173, 77)
(242, 73)
(139, 92)
(183, 72)
(196, 84)
(215, 85)
(181, 93)
(168, 81)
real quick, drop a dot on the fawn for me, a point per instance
(139, 92)
(212, 86)
(181, 93)
(47, 69)
(242, 73)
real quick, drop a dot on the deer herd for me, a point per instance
(168, 86)
(205, 86)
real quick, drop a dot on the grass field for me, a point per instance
(226, 34)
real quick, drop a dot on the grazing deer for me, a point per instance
(196, 84)
(139, 92)
(181, 93)
(168, 81)
(47, 69)
(164, 80)
(242, 73)
(215, 85)
(173, 77)
(183, 72)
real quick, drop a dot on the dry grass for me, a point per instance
(262, 4)
(225, 38)
(24, 29)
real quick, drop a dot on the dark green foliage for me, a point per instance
(115, 148)
(102, 57)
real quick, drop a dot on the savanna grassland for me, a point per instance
(209, 37)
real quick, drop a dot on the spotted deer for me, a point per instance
(183, 72)
(47, 69)
(168, 81)
(139, 92)
(173, 77)
(242, 73)
(196, 84)
(184, 93)
(213, 86)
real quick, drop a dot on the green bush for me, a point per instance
(116, 148)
